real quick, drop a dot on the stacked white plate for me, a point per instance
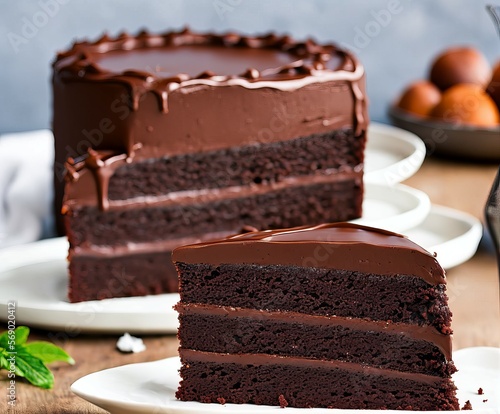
(35, 275)
(394, 155)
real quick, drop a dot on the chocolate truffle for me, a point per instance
(467, 104)
(460, 65)
(419, 98)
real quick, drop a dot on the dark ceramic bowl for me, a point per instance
(457, 141)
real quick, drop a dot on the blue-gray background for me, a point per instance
(395, 39)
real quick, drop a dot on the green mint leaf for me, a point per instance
(4, 339)
(33, 369)
(47, 352)
(22, 333)
(3, 361)
(19, 336)
(29, 359)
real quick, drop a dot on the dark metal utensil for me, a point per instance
(492, 214)
(495, 15)
(492, 208)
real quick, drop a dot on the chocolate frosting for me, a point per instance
(189, 355)
(138, 62)
(138, 97)
(343, 246)
(424, 333)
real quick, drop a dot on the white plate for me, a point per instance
(397, 208)
(40, 290)
(150, 388)
(392, 154)
(35, 276)
(452, 234)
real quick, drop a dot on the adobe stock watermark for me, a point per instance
(47, 9)
(381, 19)
(224, 7)
(11, 352)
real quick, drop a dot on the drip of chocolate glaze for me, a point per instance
(102, 164)
(359, 105)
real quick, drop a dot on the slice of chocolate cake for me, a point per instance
(336, 315)
(176, 138)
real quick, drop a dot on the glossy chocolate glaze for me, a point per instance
(170, 60)
(188, 355)
(343, 246)
(150, 96)
(271, 61)
(422, 333)
(101, 165)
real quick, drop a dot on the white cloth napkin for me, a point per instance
(26, 163)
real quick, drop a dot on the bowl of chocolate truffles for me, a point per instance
(456, 111)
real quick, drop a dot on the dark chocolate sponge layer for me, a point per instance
(292, 206)
(252, 164)
(310, 387)
(95, 278)
(215, 333)
(398, 298)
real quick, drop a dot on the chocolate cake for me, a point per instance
(336, 315)
(175, 138)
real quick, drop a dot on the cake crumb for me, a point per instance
(485, 400)
(283, 401)
(467, 405)
(128, 343)
(221, 400)
(480, 391)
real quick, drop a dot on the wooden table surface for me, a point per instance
(472, 286)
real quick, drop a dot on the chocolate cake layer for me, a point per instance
(96, 278)
(316, 291)
(92, 267)
(402, 347)
(271, 207)
(301, 382)
(238, 166)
